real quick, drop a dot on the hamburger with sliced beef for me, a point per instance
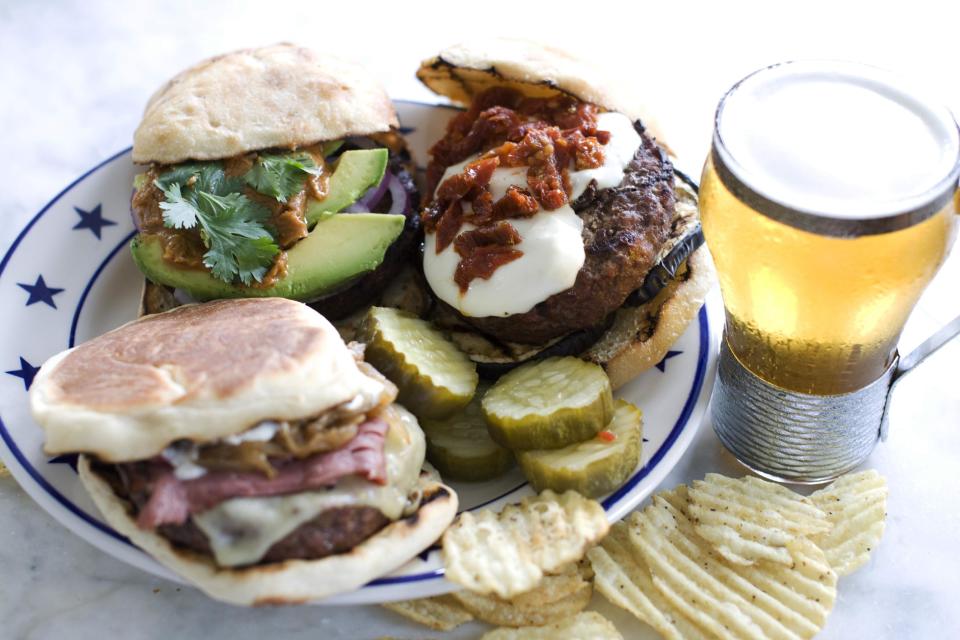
(243, 445)
(275, 171)
(554, 220)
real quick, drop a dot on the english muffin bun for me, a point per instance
(200, 373)
(282, 96)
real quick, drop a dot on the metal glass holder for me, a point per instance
(806, 438)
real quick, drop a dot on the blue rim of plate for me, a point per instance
(678, 427)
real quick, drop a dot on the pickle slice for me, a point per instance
(592, 468)
(434, 378)
(461, 448)
(548, 404)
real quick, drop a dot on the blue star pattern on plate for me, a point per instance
(40, 292)
(662, 365)
(26, 372)
(92, 220)
(423, 555)
(69, 459)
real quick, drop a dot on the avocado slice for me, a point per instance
(340, 248)
(355, 173)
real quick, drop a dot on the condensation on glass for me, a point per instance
(829, 201)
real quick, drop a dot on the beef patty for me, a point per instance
(335, 530)
(624, 228)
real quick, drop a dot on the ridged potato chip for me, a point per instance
(442, 613)
(749, 519)
(621, 576)
(727, 601)
(856, 504)
(526, 612)
(480, 554)
(560, 584)
(508, 553)
(678, 498)
(589, 625)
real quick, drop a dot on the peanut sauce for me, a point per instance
(184, 247)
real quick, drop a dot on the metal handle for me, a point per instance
(913, 359)
(948, 332)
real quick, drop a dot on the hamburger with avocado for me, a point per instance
(243, 445)
(554, 221)
(272, 172)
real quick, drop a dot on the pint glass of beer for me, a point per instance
(828, 201)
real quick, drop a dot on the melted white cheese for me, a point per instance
(182, 456)
(260, 433)
(552, 256)
(551, 241)
(242, 530)
(618, 152)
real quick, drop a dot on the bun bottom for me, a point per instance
(640, 336)
(291, 581)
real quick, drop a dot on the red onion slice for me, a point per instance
(399, 198)
(371, 198)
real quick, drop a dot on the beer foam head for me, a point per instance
(836, 139)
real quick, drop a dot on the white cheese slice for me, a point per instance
(618, 152)
(553, 254)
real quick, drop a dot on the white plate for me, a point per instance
(68, 277)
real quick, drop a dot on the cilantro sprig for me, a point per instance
(281, 176)
(232, 227)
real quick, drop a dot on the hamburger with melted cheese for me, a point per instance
(554, 221)
(243, 445)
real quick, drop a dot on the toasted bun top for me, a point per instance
(198, 372)
(278, 96)
(462, 71)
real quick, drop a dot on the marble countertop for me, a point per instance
(74, 79)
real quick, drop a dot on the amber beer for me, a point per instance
(828, 203)
(811, 313)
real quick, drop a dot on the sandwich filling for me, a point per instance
(540, 199)
(238, 218)
(239, 498)
(254, 204)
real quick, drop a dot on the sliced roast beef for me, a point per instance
(172, 501)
